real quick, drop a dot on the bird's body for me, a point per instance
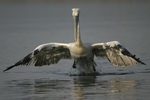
(82, 53)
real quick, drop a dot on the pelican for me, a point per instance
(51, 53)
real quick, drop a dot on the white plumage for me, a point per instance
(51, 53)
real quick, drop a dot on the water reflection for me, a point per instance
(91, 88)
(81, 87)
(81, 84)
(122, 87)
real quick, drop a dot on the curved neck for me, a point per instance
(77, 29)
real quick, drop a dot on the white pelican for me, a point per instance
(51, 53)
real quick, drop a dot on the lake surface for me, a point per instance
(26, 24)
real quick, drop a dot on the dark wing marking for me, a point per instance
(115, 53)
(44, 55)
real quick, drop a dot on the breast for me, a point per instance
(83, 52)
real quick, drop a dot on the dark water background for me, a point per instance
(25, 24)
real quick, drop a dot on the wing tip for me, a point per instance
(142, 63)
(23, 61)
(8, 68)
(5, 70)
(138, 60)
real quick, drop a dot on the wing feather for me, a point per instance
(115, 53)
(45, 54)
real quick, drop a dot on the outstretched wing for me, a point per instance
(45, 54)
(115, 53)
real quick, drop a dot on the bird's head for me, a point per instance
(75, 12)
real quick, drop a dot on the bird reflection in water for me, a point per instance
(123, 87)
(89, 87)
(81, 84)
(79, 88)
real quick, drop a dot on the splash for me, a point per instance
(85, 68)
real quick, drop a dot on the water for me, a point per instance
(26, 24)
